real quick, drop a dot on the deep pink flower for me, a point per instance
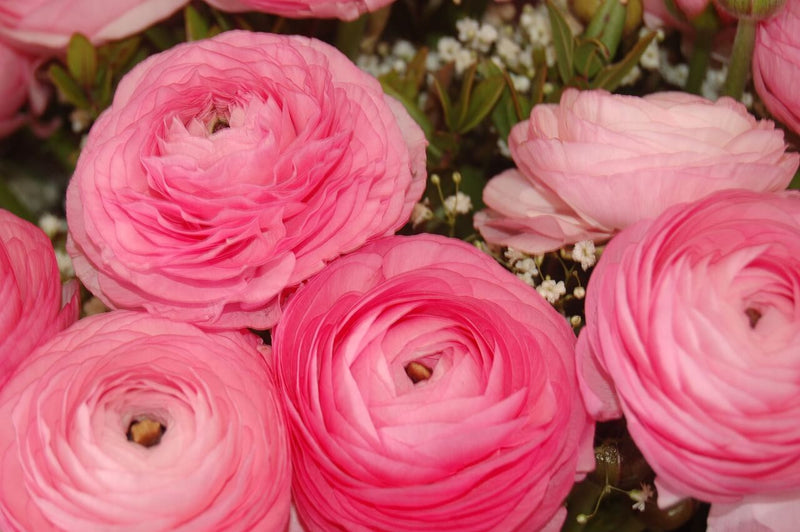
(341, 9)
(67, 463)
(429, 389)
(231, 169)
(15, 84)
(30, 291)
(598, 162)
(45, 26)
(776, 64)
(693, 333)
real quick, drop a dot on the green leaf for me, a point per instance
(590, 57)
(120, 53)
(611, 76)
(447, 106)
(539, 78)
(349, 35)
(415, 112)
(461, 108)
(82, 60)
(504, 115)
(196, 25)
(484, 97)
(67, 87)
(563, 41)
(795, 184)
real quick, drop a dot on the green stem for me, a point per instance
(698, 63)
(742, 54)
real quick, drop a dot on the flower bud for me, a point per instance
(755, 9)
(584, 10)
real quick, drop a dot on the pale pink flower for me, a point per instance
(776, 64)
(229, 170)
(693, 333)
(341, 9)
(30, 291)
(45, 26)
(598, 162)
(429, 389)
(222, 461)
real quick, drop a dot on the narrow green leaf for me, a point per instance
(82, 60)
(196, 25)
(611, 76)
(563, 41)
(461, 108)
(599, 19)
(120, 53)
(539, 78)
(590, 57)
(447, 106)
(415, 112)
(67, 87)
(10, 202)
(504, 115)
(484, 97)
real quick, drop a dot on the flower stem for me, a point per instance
(739, 67)
(698, 63)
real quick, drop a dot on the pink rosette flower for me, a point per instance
(776, 64)
(427, 388)
(129, 422)
(15, 84)
(598, 162)
(341, 9)
(230, 170)
(31, 293)
(693, 333)
(45, 26)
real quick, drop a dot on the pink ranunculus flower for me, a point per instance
(30, 291)
(77, 454)
(227, 171)
(693, 333)
(45, 26)
(776, 64)
(341, 9)
(427, 388)
(15, 84)
(598, 162)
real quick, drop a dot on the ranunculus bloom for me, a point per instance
(47, 25)
(429, 389)
(230, 169)
(776, 64)
(222, 462)
(341, 9)
(15, 83)
(598, 162)
(30, 292)
(693, 333)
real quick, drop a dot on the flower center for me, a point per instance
(417, 372)
(754, 315)
(219, 123)
(146, 432)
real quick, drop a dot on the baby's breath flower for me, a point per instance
(551, 290)
(467, 29)
(641, 496)
(459, 203)
(448, 47)
(65, 266)
(527, 277)
(574, 321)
(579, 292)
(584, 252)
(52, 225)
(512, 255)
(526, 265)
(421, 213)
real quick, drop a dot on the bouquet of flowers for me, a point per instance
(375, 265)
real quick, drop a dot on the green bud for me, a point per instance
(752, 9)
(584, 10)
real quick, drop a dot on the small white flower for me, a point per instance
(52, 225)
(485, 37)
(508, 51)
(460, 203)
(641, 496)
(521, 83)
(651, 57)
(404, 50)
(64, 264)
(584, 252)
(527, 265)
(575, 320)
(448, 48)
(527, 277)
(467, 29)
(632, 76)
(421, 213)
(464, 59)
(579, 292)
(512, 255)
(551, 290)
(502, 147)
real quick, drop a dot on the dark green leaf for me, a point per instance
(461, 108)
(483, 99)
(10, 202)
(563, 41)
(67, 87)
(447, 106)
(610, 77)
(82, 60)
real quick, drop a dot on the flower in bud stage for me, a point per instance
(755, 9)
